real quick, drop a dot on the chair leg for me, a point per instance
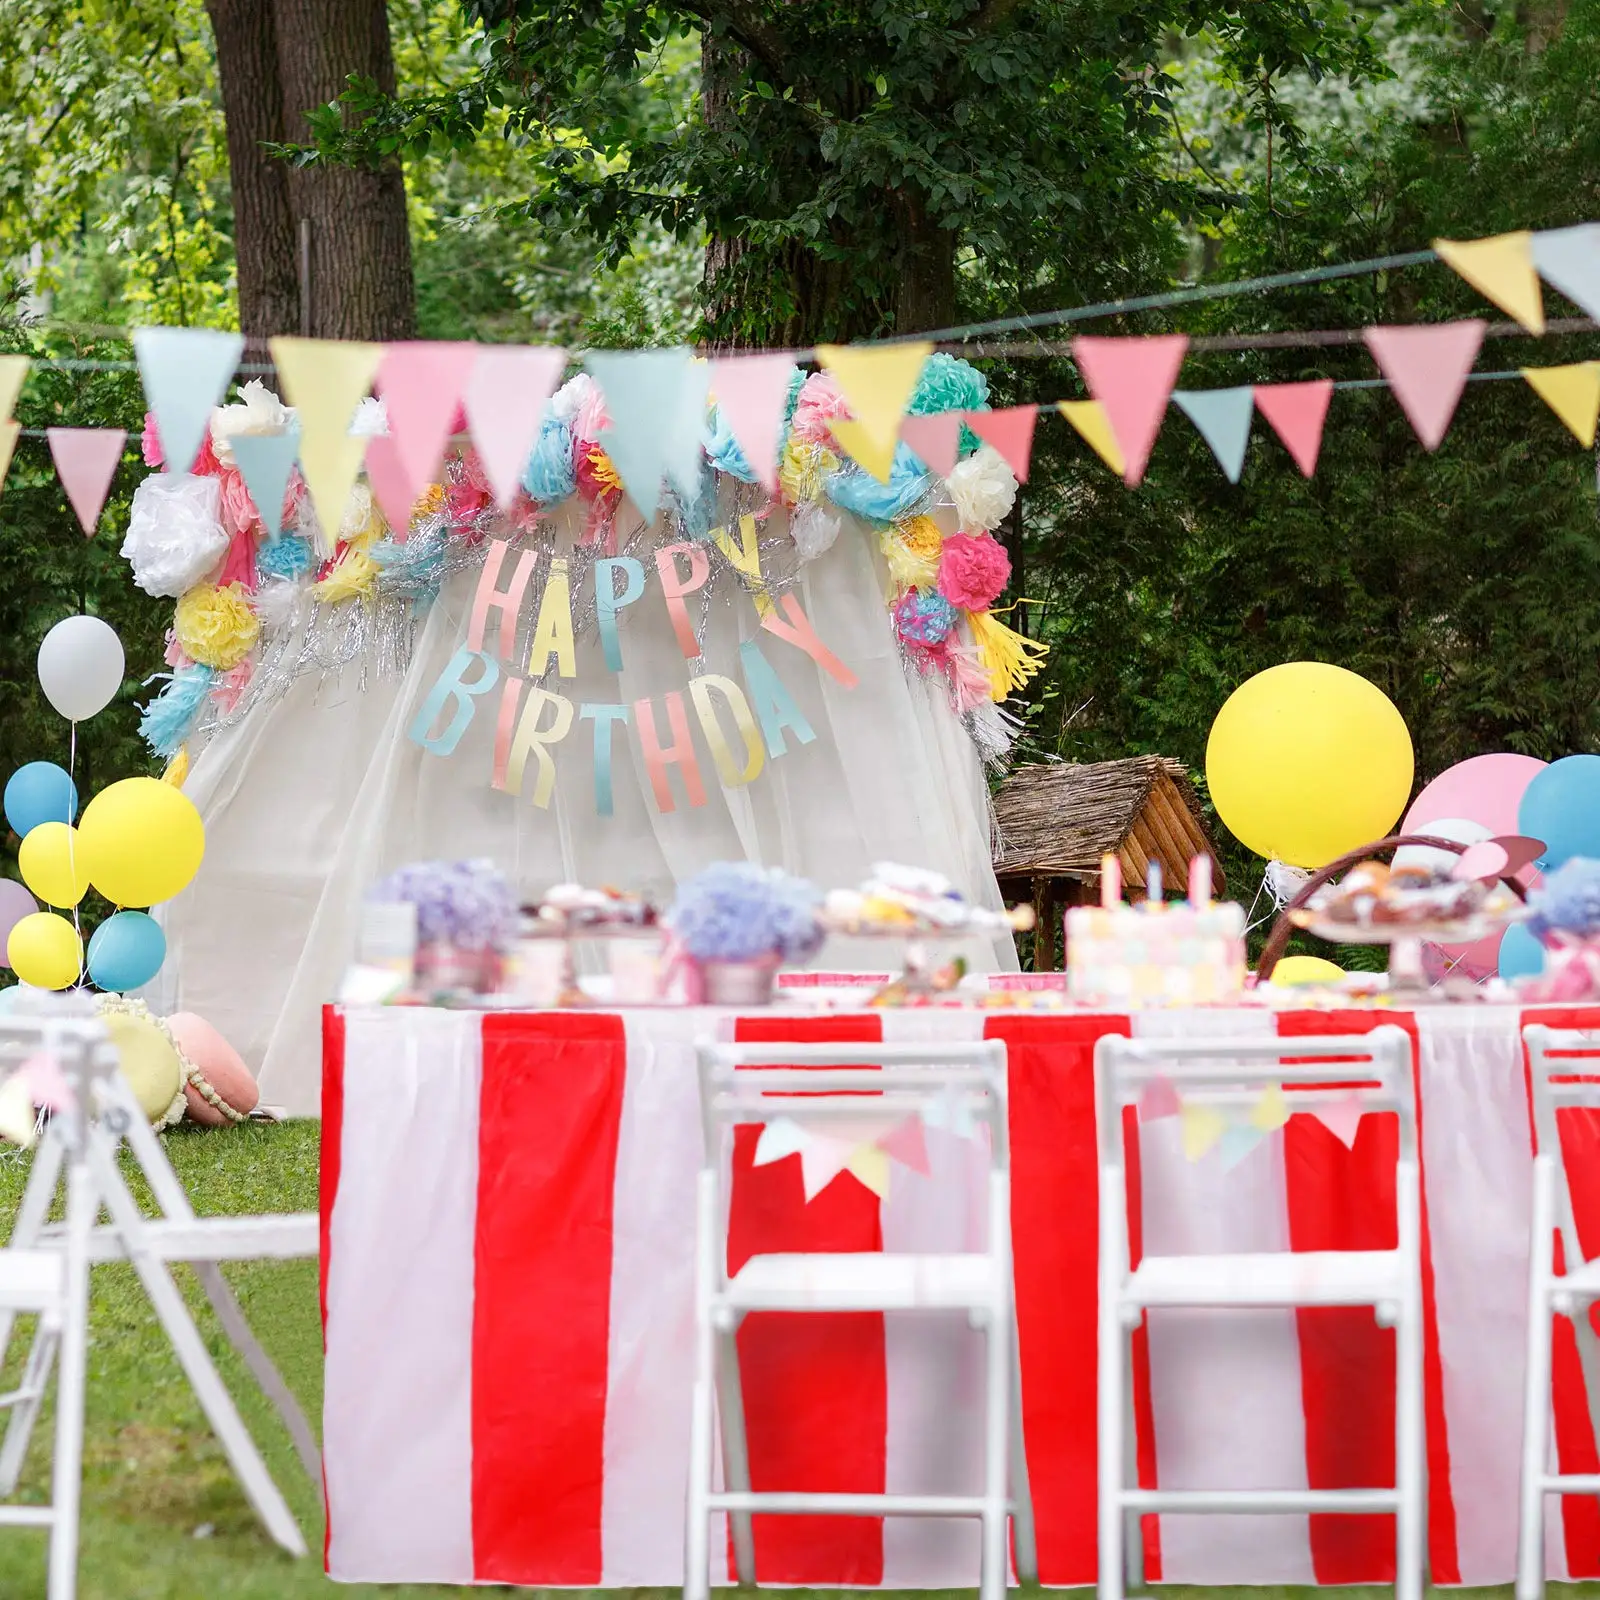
(735, 1452)
(993, 1572)
(702, 1426)
(66, 1479)
(1133, 1523)
(1024, 1539)
(34, 1211)
(1536, 1390)
(1110, 1419)
(25, 1413)
(1410, 1463)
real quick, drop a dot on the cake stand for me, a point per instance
(1406, 939)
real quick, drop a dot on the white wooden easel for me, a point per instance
(93, 1179)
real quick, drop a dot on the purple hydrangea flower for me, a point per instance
(1568, 901)
(469, 904)
(734, 911)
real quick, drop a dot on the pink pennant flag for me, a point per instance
(1342, 1119)
(421, 383)
(1132, 379)
(751, 393)
(1427, 368)
(1158, 1099)
(386, 477)
(1297, 412)
(934, 440)
(506, 397)
(1010, 431)
(906, 1143)
(86, 461)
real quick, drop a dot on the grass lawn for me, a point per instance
(162, 1516)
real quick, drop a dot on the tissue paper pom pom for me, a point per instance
(238, 509)
(217, 627)
(911, 549)
(371, 418)
(354, 574)
(258, 410)
(973, 571)
(948, 383)
(814, 530)
(820, 401)
(175, 534)
(165, 722)
(150, 442)
(277, 604)
(861, 493)
(363, 522)
(925, 616)
(734, 911)
(229, 688)
(287, 557)
(549, 476)
(723, 450)
(801, 469)
(983, 489)
(174, 655)
(597, 473)
(579, 403)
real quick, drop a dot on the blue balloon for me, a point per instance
(126, 951)
(39, 792)
(1521, 955)
(1562, 807)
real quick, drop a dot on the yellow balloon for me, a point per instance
(52, 864)
(45, 950)
(1293, 971)
(1307, 761)
(143, 841)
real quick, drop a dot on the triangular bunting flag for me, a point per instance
(870, 1167)
(779, 1138)
(1132, 378)
(751, 393)
(1202, 1126)
(1237, 1142)
(390, 485)
(1158, 1099)
(9, 432)
(871, 455)
(325, 380)
(906, 1143)
(687, 429)
(505, 401)
(265, 461)
(1500, 269)
(643, 390)
(86, 461)
(821, 1161)
(1568, 259)
(1089, 418)
(1342, 1119)
(935, 440)
(1572, 392)
(1297, 412)
(1010, 431)
(422, 383)
(877, 382)
(1427, 368)
(13, 370)
(185, 373)
(1271, 1111)
(1223, 418)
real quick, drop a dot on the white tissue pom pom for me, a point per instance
(371, 419)
(175, 533)
(813, 529)
(277, 603)
(569, 399)
(983, 488)
(259, 411)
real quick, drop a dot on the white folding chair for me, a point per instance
(825, 1082)
(1230, 1074)
(1555, 1058)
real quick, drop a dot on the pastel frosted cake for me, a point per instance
(1174, 954)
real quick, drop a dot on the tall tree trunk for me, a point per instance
(264, 244)
(279, 59)
(926, 296)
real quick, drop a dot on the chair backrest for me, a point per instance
(1231, 1073)
(1559, 1062)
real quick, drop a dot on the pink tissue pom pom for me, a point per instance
(592, 419)
(238, 509)
(820, 402)
(973, 571)
(175, 657)
(230, 687)
(206, 464)
(150, 442)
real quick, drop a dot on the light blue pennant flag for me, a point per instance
(645, 393)
(264, 461)
(1568, 259)
(1238, 1141)
(185, 373)
(1223, 418)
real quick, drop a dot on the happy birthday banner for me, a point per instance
(533, 719)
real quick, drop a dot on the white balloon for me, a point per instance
(81, 666)
(1425, 858)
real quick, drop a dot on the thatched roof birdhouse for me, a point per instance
(1057, 820)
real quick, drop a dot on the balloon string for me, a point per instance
(72, 842)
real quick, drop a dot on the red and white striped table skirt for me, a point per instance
(508, 1216)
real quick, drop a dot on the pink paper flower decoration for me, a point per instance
(150, 443)
(238, 509)
(820, 401)
(176, 657)
(230, 687)
(972, 571)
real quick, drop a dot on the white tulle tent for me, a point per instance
(309, 798)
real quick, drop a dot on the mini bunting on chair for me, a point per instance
(185, 373)
(1296, 412)
(422, 383)
(1501, 269)
(751, 393)
(505, 401)
(1342, 1119)
(1202, 1126)
(265, 461)
(1158, 1099)
(1427, 368)
(1132, 379)
(643, 389)
(1573, 393)
(1223, 418)
(1089, 418)
(1010, 431)
(13, 371)
(877, 382)
(1271, 1111)
(935, 440)
(86, 461)
(1568, 260)
(325, 380)
(1239, 1139)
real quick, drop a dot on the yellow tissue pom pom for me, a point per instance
(801, 469)
(354, 574)
(1010, 658)
(432, 502)
(216, 627)
(911, 549)
(604, 470)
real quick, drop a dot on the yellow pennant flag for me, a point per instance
(325, 380)
(9, 432)
(1573, 393)
(1202, 1126)
(1271, 1111)
(871, 454)
(877, 381)
(870, 1166)
(13, 369)
(1089, 418)
(1500, 269)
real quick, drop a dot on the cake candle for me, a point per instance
(1110, 883)
(1152, 884)
(1200, 882)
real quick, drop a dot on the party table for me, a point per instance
(507, 1257)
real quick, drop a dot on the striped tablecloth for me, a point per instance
(507, 1211)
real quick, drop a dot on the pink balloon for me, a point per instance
(1486, 789)
(15, 904)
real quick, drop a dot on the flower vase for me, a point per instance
(445, 968)
(739, 983)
